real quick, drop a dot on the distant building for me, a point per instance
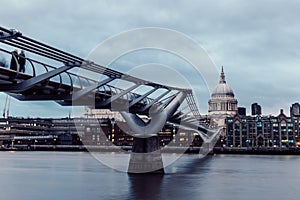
(295, 110)
(262, 131)
(102, 113)
(255, 109)
(27, 133)
(242, 111)
(222, 103)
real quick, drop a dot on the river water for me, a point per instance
(77, 175)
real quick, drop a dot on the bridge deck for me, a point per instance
(51, 85)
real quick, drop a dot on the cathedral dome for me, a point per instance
(222, 89)
(222, 103)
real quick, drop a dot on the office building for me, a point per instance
(295, 110)
(262, 131)
(242, 111)
(255, 109)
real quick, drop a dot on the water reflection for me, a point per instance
(77, 176)
(180, 177)
(145, 186)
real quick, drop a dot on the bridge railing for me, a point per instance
(75, 80)
(13, 38)
(38, 67)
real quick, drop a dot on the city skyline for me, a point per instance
(257, 45)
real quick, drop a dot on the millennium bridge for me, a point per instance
(50, 76)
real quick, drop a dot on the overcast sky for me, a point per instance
(257, 42)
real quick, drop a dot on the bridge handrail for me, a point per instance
(53, 53)
(79, 77)
(16, 39)
(46, 66)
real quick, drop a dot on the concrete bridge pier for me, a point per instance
(146, 156)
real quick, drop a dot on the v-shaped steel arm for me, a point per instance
(158, 119)
(27, 84)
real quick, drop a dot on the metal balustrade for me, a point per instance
(46, 81)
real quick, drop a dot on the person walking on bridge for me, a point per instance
(22, 61)
(14, 60)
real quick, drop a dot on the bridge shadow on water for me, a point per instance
(174, 184)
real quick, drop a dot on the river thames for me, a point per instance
(77, 175)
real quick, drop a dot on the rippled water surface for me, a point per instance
(77, 175)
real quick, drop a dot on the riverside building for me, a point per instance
(251, 131)
(279, 132)
(27, 133)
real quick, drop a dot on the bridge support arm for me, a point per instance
(87, 90)
(159, 116)
(117, 96)
(146, 156)
(27, 84)
(141, 97)
(155, 100)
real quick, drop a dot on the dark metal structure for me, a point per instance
(58, 82)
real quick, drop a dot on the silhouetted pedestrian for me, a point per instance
(22, 61)
(14, 60)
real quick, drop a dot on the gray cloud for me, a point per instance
(258, 42)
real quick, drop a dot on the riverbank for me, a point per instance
(191, 150)
(93, 148)
(258, 151)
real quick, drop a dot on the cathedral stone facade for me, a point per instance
(222, 103)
